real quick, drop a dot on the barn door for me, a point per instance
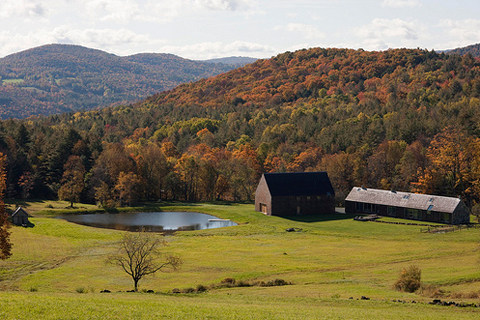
(263, 208)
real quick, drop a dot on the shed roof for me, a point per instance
(298, 183)
(19, 210)
(404, 199)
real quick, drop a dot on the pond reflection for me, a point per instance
(151, 221)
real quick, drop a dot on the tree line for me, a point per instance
(400, 119)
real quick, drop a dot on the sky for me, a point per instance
(204, 29)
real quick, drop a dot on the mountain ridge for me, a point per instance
(473, 49)
(59, 78)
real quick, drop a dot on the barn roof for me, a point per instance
(404, 199)
(298, 184)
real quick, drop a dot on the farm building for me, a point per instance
(286, 194)
(407, 205)
(20, 217)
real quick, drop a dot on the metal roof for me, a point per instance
(403, 199)
(299, 183)
(19, 210)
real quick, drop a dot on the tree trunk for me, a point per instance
(135, 281)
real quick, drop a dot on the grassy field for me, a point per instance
(12, 81)
(332, 262)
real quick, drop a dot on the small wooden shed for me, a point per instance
(299, 193)
(20, 217)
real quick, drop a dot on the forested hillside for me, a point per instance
(60, 78)
(473, 50)
(236, 61)
(398, 119)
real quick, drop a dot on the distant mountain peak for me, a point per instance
(234, 60)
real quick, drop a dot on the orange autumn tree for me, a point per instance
(5, 245)
(453, 166)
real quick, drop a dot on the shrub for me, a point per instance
(228, 281)
(81, 290)
(201, 288)
(431, 291)
(243, 284)
(33, 289)
(409, 280)
(275, 283)
(476, 211)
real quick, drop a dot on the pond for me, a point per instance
(150, 221)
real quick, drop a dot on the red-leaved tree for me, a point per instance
(5, 245)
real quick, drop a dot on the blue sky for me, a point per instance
(202, 29)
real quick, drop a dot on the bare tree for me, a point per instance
(140, 255)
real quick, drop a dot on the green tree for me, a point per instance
(103, 195)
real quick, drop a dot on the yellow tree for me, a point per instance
(340, 171)
(128, 187)
(246, 172)
(187, 168)
(72, 180)
(383, 164)
(453, 166)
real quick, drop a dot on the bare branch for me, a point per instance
(140, 255)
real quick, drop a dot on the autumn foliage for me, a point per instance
(5, 245)
(398, 119)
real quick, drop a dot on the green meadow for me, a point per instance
(58, 269)
(12, 81)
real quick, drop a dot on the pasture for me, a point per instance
(332, 261)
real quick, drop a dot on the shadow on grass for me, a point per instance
(321, 217)
(23, 202)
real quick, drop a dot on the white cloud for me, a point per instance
(385, 33)
(307, 31)
(463, 32)
(126, 11)
(118, 41)
(22, 8)
(224, 5)
(116, 10)
(99, 38)
(401, 3)
(208, 50)
(125, 42)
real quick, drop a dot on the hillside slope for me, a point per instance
(379, 119)
(309, 75)
(473, 49)
(236, 61)
(59, 78)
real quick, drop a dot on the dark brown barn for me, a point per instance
(407, 205)
(287, 194)
(20, 217)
